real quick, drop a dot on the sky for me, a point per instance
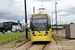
(13, 10)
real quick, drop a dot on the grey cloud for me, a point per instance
(7, 11)
(6, 2)
(10, 17)
(68, 16)
(69, 11)
(10, 11)
(43, 0)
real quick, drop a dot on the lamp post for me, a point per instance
(52, 21)
(33, 9)
(60, 24)
(26, 19)
(52, 18)
(56, 17)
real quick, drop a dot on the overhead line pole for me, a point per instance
(56, 17)
(52, 20)
(26, 19)
(33, 9)
(60, 23)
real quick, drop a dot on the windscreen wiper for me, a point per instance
(39, 31)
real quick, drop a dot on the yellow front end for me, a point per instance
(40, 36)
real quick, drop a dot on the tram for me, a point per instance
(40, 27)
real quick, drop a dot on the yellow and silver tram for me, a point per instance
(40, 27)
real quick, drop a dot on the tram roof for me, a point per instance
(40, 13)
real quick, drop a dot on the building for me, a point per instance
(5, 26)
(1, 27)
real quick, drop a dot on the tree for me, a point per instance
(71, 23)
(28, 28)
(54, 25)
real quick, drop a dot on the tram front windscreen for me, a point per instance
(39, 23)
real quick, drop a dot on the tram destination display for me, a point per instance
(39, 16)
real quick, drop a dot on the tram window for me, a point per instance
(31, 23)
(49, 23)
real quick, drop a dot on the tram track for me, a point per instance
(44, 46)
(59, 48)
(29, 46)
(36, 46)
(22, 43)
(39, 45)
(32, 47)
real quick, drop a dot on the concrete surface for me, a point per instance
(51, 46)
(67, 45)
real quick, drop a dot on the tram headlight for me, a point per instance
(46, 33)
(33, 34)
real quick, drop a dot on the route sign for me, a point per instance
(18, 21)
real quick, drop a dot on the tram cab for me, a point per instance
(40, 27)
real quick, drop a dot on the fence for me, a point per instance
(11, 39)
